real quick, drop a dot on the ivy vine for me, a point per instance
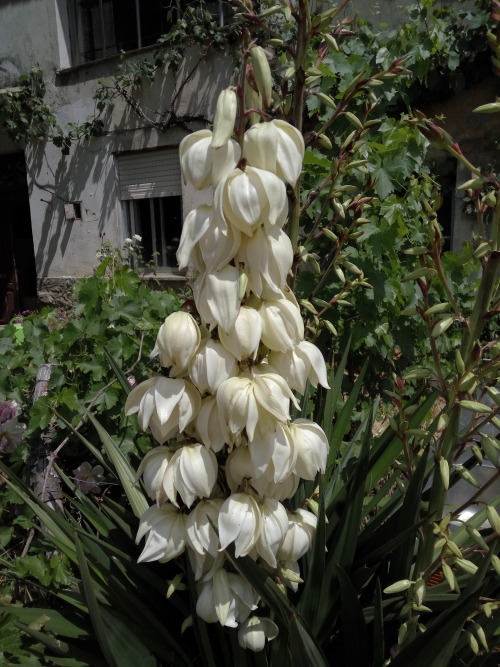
(443, 49)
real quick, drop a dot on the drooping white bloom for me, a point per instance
(178, 339)
(267, 257)
(204, 566)
(276, 446)
(225, 117)
(311, 444)
(206, 242)
(239, 468)
(273, 529)
(212, 430)
(276, 146)
(211, 365)
(304, 362)
(247, 199)
(203, 165)
(259, 396)
(165, 528)
(239, 522)
(153, 467)
(226, 598)
(253, 632)
(282, 324)
(298, 540)
(191, 473)
(200, 522)
(266, 488)
(244, 338)
(217, 297)
(164, 405)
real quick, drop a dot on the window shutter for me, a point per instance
(150, 174)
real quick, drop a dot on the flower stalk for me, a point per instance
(229, 454)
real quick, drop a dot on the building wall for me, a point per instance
(65, 248)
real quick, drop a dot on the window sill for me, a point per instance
(170, 275)
(65, 71)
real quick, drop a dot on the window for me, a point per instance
(150, 187)
(103, 28)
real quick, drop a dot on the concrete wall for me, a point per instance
(36, 31)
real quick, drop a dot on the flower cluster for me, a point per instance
(230, 457)
(11, 431)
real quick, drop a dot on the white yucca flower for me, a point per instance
(273, 529)
(302, 363)
(191, 473)
(211, 365)
(165, 406)
(282, 324)
(203, 165)
(276, 146)
(177, 341)
(311, 444)
(200, 522)
(244, 338)
(165, 528)
(300, 534)
(206, 243)
(239, 522)
(267, 257)
(217, 297)
(254, 632)
(274, 446)
(226, 598)
(256, 396)
(247, 199)
(152, 468)
(240, 470)
(209, 425)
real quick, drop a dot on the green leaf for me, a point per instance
(344, 418)
(308, 604)
(124, 470)
(120, 375)
(409, 514)
(94, 609)
(344, 546)
(353, 622)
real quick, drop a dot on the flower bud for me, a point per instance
(225, 117)
(177, 341)
(253, 633)
(262, 74)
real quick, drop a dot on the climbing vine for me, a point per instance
(441, 43)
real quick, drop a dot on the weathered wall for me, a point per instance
(88, 175)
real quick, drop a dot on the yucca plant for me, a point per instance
(389, 573)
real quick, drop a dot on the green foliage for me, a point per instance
(115, 318)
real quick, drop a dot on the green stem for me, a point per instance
(484, 295)
(303, 38)
(438, 492)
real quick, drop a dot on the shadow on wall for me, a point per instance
(75, 179)
(87, 174)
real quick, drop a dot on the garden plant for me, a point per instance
(305, 408)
